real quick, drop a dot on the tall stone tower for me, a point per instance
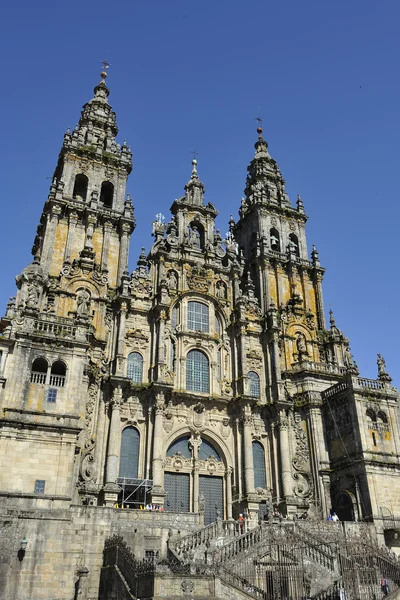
(56, 336)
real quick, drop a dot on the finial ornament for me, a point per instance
(106, 65)
(332, 319)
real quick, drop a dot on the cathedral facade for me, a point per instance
(206, 381)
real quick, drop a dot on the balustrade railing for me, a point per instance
(208, 534)
(54, 328)
(37, 377)
(57, 380)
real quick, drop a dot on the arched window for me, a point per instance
(274, 240)
(197, 372)
(254, 384)
(107, 194)
(172, 355)
(80, 186)
(57, 374)
(39, 370)
(129, 458)
(294, 243)
(174, 317)
(218, 326)
(381, 416)
(198, 316)
(207, 451)
(135, 367)
(260, 478)
(181, 446)
(219, 359)
(371, 416)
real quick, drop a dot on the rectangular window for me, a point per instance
(52, 395)
(39, 486)
(198, 316)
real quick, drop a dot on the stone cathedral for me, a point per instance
(205, 385)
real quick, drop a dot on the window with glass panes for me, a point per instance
(254, 384)
(197, 372)
(135, 367)
(198, 316)
(260, 479)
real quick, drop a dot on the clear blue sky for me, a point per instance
(193, 75)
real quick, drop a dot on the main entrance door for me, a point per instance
(212, 490)
(177, 488)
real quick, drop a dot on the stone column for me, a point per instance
(248, 452)
(158, 493)
(107, 228)
(285, 456)
(228, 483)
(319, 300)
(121, 340)
(73, 219)
(194, 443)
(111, 488)
(161, 346)
(123, 250)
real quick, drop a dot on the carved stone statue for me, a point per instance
(221, 290)
(383, 375)
(172, 281)
(83, 303)
(201, 502)
(194, 237)
(301, 346)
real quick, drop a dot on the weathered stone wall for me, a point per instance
(60, 541)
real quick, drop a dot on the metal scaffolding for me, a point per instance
(134, 491)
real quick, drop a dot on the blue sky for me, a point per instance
(193, 75)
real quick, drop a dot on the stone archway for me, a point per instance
(196, 478)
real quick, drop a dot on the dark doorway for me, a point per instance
(177, 488)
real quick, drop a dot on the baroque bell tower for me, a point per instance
(57, 336)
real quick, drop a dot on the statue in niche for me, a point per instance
(172, 281)
(221, 291)
(301, 346)
(194, 237)
(83, 303)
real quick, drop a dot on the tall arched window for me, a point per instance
(107, 194)
(129, 458)
(198, 316)
(274, 240)
(197, 372)
(381, 417)
(295, 243)
(135, 367)
(254, 384)
(80, 186)
(39, 370)
(171, 355)
(260, 478)
(57, 374)
(174, 317)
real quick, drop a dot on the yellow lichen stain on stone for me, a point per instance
(59, 248)
(97, 241)
(388, 437)
(113, 260)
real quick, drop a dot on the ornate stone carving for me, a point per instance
(301, 462)
(198, 281)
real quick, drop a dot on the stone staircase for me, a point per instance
(227, 560)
